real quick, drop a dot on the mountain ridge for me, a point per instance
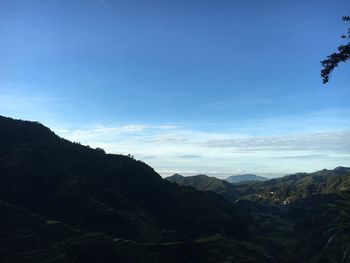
(203, 182)
(244, 178)
(285, 189)
(66, 181)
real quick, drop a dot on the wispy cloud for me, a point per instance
(147, 157)
(190, 156)
(305, 156)
(148, 133)
(169, 127)
(326, 142)
(101, 132)
(167, 138)
(196, 151)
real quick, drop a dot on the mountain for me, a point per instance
(64, 202)
(203, 182)
(279, 191)
(200, 182)
(244, 178)
(293, 217)
(70, 203)
(291, 188)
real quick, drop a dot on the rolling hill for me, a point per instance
(75, 202)
(202, 182)
(291, 188)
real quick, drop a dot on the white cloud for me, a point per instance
(168, 127)
(126, 128)
(191, 151)
(326, 142)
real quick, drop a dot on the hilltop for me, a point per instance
(203, 182)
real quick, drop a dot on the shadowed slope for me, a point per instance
(113, 194)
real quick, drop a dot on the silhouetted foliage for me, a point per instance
(100, 150)
(332, 61)
(340, 230)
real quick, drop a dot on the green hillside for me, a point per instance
(291, 188)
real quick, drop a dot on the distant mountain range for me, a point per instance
(244, 178)
(200, 182)
(291, 188)
(224, 187)
(281, 190)
(203, 182)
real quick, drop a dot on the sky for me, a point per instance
(196, 86)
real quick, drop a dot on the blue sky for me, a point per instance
(220, 87)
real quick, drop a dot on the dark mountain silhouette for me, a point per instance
(67, 203)
(53, 190)
(200, 182)
(244, 178)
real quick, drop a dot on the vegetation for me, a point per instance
(340, 231)
(290, 189)
(342, 55)
(290, 216)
